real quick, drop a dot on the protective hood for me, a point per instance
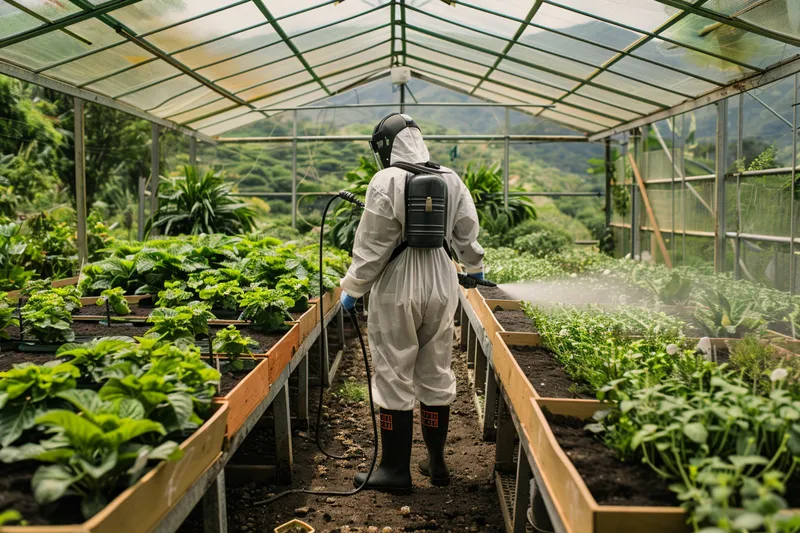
(409, 147)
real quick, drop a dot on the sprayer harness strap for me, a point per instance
(416, 169)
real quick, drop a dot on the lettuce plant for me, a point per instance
(296, 289)
(116, 301)
(26, 391)
(230, 342)
(266, 308)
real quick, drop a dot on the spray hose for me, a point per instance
(349, 197)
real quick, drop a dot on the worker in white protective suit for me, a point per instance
(413, 296)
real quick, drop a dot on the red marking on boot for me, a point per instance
(430, 419)
(386, 422)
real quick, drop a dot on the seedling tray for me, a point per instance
(141, 507)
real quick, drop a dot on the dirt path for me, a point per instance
(468, 504)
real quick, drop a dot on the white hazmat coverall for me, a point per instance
(413, 298)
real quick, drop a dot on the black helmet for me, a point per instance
(384, 134)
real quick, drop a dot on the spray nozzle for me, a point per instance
(350, 197)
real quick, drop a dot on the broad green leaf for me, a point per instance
(748, 521)
(132, 429)
(51, 483)
(97, 471)
(14, 420)
(697, 432)
(93, 503)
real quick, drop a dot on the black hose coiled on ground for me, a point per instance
(349, 197)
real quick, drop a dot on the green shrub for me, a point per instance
(543, 239)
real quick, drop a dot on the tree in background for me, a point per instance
(486, 187)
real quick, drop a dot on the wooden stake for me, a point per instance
(662, 246)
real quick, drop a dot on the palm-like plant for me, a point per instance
(193, 204)
(486, 187)
(346, 218)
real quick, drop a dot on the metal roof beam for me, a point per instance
(698, 9)
(66, 21)
(774, 74)
(625, 53)
(37, 16)
(37, 79)
(613, 22)
(536, 5)
(277, 27)
(352, 138)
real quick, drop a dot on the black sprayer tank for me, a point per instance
(426, 210)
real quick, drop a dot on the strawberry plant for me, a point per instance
(47, 317)
(266, 308)
(115, 298)
(230, 342)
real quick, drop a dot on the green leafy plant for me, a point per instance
(230, 342)
(720, 317)
(93, 358)
(266, 308)
(345, 219)
(174, 295)
(11, 515)
(13, 270)
(756, 360)
(195, 203)
(297, 289)
(223, 295)
(71, 296)
(7, 317)
(107, 274)
(183, 322)
(543, 239)
(93, 454)
(25, 392)
(47, 317)
(116, 300)
(486, 187)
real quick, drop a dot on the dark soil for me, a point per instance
(229, 380)
(514, 320)
(493, 293)
(545, 373)
(265, 340)
(468, 504)
(9, 359)
(610, 481)
(100, 310)
(15, 493)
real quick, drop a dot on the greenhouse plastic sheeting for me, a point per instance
(215, 65)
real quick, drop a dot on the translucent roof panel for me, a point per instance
(209, 63)
(729, 42)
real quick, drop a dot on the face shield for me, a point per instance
(384, 136)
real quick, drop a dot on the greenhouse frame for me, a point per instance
(656, 60)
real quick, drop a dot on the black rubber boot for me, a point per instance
(393, 475)
(435, 421)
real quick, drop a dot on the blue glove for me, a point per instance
(348, 302)
(476, 275)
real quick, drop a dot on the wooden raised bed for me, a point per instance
(578, 509)
(139, 508)
(14, 295)
(254, 387)
(308, 321)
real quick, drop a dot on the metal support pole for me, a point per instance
(522, 495)
(155, 157)
(792, 261)
(737, 259)
(140, 214)
(672, 188)
(507, 158)
(193, 151)
(215, 512)
(504, 447)
(609, 164)
(490, 405)
(719, 208)
(80, 180)
(403, 98)
(294, 169)
(340, 329)
(283, 436)
(634, 139)
(302, 393)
